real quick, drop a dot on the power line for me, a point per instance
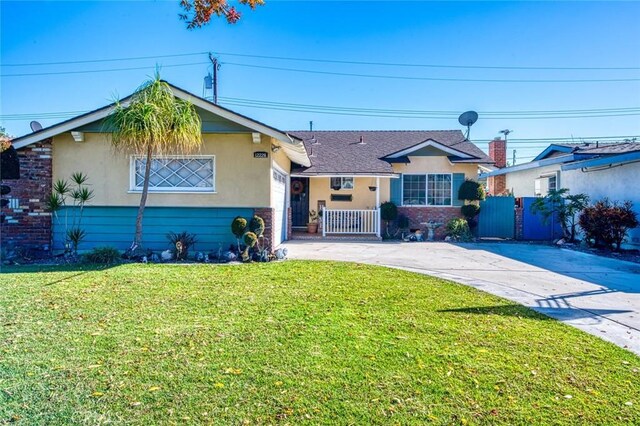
(89, 61)
(333, 61)
(398, 77)
(103, 70)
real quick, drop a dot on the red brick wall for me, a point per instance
(418, 215)
(29, 226)
(267, 215)
(289, 223)
(497, 185)
(498, 153)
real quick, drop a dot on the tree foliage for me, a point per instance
(565, 205)
(198, 13)
(153, 123)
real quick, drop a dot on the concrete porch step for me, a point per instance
(333, 237)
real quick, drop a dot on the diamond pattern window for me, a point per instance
(175, 174)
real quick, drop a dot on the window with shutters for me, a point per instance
(427, 190)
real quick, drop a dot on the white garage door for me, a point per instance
(279, 202)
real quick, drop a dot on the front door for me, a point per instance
(299, 201)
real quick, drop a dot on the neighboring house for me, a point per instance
(245, 167)
(597, 169)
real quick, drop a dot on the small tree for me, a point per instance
(238, 227)
(152, 124)
(72, 197)
(472, 193)
(388, 213)
(565, 205)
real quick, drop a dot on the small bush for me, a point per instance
(181, 243)
(256, 225)
(250, 239)
(458, 229)
(471, 190)
(388, 211)
(238, 226)
(470, 210)
(606, 224)
(103, 255)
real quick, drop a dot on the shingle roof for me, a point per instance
(340, 152)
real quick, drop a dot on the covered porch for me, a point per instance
(347, 206)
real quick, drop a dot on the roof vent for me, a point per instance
(361, 140)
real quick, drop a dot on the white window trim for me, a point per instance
(426, 191)
(133, 189)
(353, 182)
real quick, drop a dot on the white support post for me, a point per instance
(377, 192)
(324, 222)
(378, 219)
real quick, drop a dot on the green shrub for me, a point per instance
(238, 226)
(256, 225)
(458, 229)
(470, 210)
(471, 190)
(181, 243)
(605, 224)
(388, 211)
(250, 239)
(103, 255)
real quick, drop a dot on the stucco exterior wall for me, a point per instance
(240, 179)
(616, 183)
(522, 183)
(436, 164)
(362, 197)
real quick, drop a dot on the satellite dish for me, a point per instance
(35, 126)
(468, 119)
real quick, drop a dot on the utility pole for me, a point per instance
(216, 67)
(514, 158)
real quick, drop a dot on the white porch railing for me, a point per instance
(350, 222)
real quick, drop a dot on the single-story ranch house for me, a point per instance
(244, 167)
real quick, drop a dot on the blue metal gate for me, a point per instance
(533, 225)
(497, 217)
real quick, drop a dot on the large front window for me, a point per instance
(175, 174)
(429, 190)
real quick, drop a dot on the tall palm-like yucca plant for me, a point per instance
(153, 123)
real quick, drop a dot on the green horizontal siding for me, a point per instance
(115, 226)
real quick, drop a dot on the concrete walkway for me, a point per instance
(598, 295)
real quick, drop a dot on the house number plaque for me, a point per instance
(260, 154)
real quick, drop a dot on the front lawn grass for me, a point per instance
(293, 342)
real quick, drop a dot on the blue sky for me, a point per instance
(512, 34)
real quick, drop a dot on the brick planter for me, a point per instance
(418, 215)
(27, 225)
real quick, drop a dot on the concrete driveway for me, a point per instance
(598, 295)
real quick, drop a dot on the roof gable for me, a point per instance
(293, 147)
(553, 148)
(422, 149)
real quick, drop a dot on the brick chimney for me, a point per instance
(498, 153)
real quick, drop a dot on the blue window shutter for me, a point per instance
(396, 191)
(458, 179)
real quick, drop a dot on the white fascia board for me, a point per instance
(432, 143)
(530, 165)
(63, 127)
(330, 175)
